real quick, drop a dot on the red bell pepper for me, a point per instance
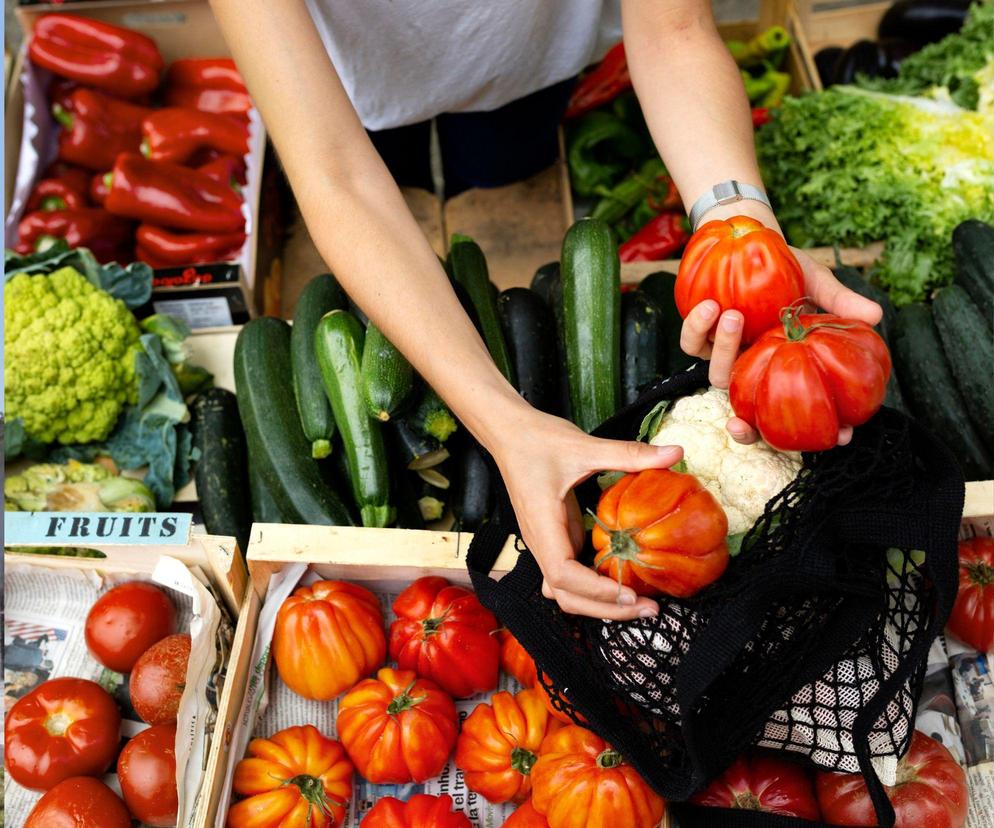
(661, 238)
(60, 92)
(601, 84)
(175, 134)
(55, 194)
(228, 169)
(108, 237)
(166, 194)
(760, 115)
(99, 187)
(117, 60)
(208, 84)
(98, 129)
(167, 248)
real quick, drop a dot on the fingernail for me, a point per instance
(709, 310)
(731, 323)
(647, 613)
(626, 599)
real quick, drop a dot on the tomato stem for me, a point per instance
(404, 701)
(522, 760)
(795, 330)
(609, 759)
(980, 573)
(312, 789)
(430, 626)
(58, 723)
(747, 801)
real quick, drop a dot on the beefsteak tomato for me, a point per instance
(159, 678)
(660, 531)
(579, 781)
(79, 802)
(64, 727)
(763, 783)
(525, 816)
(297, 778)
(515, 661)
(972, 618)
(742, 265)
(500, 742)
(809, 376)
(146, 770)
(125, 621)
(444, 633)
(420, 811)
(931, 791)
(327, 637)
(397, 727)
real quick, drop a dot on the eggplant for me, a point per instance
(473, 490)
(414, 449)
(923, 21)
(864, 57)
(825, 61)
(894, 51)
(544, 279)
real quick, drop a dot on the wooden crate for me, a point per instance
(836, 23)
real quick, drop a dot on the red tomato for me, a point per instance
(443, 633)
(397, 727)
(515, 661)
(525, 816)
(158, 680)
(930, 792)
(763, 783)
(741, 265)
(146, 769)
(64, 727)
(808, 377)
(420, 811)
(125, 621)
(972, 618)
(79, 802)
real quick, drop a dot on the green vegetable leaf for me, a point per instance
(652, 421)
(679, 466)
(13, 437)
(607, 479)
(735, 543)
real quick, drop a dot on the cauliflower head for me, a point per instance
(741, 478)
(70, 356)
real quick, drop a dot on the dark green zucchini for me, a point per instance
(321, 295)
(473, 491)
(543, 280)
(414, 449)
(973, 246)
(338, 346)
(658, 287)
(433, 418)
(640, 346)
(387, 376)
(467, 305)
(276, 443)
(406, 493)
(530, 331)
(264, 508)
(357, 312)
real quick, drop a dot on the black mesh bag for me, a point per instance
(812, 644)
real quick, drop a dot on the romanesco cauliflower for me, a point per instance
(742, 478)
(70, 357)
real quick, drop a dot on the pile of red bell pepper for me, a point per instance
(145, 170)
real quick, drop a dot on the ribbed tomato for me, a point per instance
(64, 727)
(79, 802)
(327, 637)
(444, 633)
(579, 781)
(500, 742)
(742, 265)
(397, 727)
(972, 618)
(515, 661)
(296, 778)
(146, 770)
(660, 531)
(763, 783)
(525, 816)
(420, 811)
(809, 376)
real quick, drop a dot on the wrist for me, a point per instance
(747, 207)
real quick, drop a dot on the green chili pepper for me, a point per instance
(601, 149)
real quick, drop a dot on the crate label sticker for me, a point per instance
(78, 528)
(211, 312)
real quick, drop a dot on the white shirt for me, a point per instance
(404, 61)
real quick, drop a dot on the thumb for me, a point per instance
(629, 455)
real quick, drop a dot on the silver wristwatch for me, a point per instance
(727, 192)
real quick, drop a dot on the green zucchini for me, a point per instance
(473, 490)
(276, 443)
(222, 470)
(932, 394)
(338, 347)
(467, 305)
(640, 348)
(592, 321)
(320, 295)
(969, 346)
(433, 418)
(973, 247)
(415, 449)
(530, 331)
(658, 287)
(387, 376)
(469, 269)
(264, 508)
(543, 280)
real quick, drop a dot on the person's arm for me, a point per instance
(369, 239)
(695, 105)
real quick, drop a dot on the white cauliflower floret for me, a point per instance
(742, 478)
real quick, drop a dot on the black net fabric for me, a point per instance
(812, 644)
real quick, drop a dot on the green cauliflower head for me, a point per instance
(69, 357)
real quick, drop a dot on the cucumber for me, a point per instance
(592, 321)
(276, 443)
(387, 376)
(338, 346)
(414, 449)
(469, 269)
(973, 247)
(544, 279)
(658, 287)
(932, 394)
(320, 295)
(433, 418)
(530, 331)
(969, 347)
(640, 347)
(222, 470)
(473, 490)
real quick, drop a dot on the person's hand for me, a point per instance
(542, 458)
(821, 288)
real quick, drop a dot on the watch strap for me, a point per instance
(727, 192)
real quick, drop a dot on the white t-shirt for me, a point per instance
(404, 61)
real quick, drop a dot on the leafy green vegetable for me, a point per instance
(75, 487)
(173, 333)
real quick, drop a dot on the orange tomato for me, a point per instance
(525, 816)
(420, 811)
(515, 661)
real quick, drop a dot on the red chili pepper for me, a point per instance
(208, 84)
(601, 84)
(175, 134)
(98, 128)
(168, 248)
(108, 237)
(173, 196)
(118, 60)
(661, 238)
(55, 194)
(760, 115)
(228, 169)
(99, 187)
